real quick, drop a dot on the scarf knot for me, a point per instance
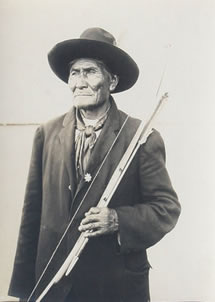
(85, 140)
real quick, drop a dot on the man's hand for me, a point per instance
(99, 221)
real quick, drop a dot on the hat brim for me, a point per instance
(117, 60)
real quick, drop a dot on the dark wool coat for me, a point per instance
(146, 204)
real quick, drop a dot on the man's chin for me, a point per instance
(87, 103)
(83, 102)
(85, 106)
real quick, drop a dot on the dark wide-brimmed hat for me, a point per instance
(95, 43)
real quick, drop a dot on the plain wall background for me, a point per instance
(152, 32)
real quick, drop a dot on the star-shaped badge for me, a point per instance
(87, 177)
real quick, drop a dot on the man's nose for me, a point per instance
(81, 81)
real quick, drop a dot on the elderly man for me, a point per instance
(72, 161)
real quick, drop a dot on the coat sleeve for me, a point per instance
(156, 213)
(23, 276)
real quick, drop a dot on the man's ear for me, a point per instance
(113, 83)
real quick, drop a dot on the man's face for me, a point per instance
(90, 84)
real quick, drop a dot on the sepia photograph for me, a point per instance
(107, 151)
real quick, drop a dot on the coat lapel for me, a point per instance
(67, 139)
(105, 140)
(103, 144)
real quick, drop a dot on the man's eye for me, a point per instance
(73, 72)
(92, 70)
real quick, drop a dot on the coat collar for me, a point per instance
(105, 139)
(103, 143)
(102, 146)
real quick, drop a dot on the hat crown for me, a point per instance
(98, 34)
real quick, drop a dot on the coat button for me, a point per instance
(69, 187)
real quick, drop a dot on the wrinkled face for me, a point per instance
(90, 83)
